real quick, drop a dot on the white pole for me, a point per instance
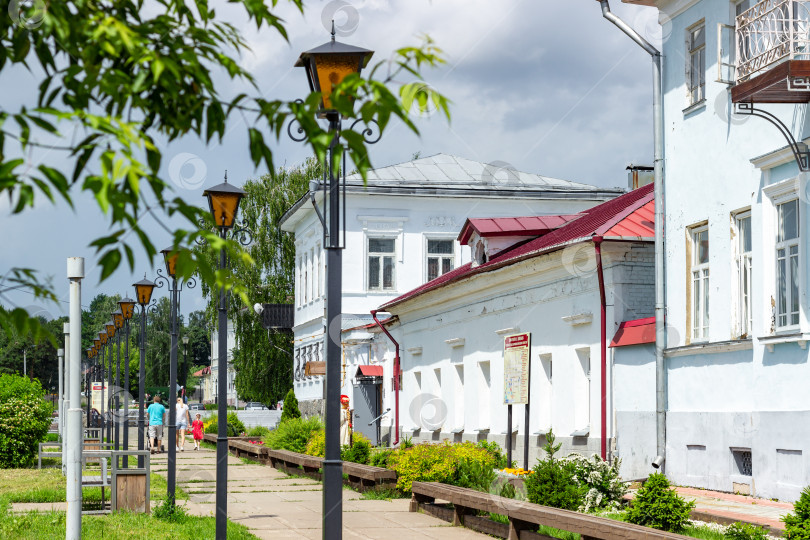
(66, 404)
(60, 419)
(25, 364)
(73, 531)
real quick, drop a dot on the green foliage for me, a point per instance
(380, 458)
(168, 511)
(657, 505)
(211, 406)
(745, 531)
(601, 480)
(495, 450)
(293, 434)
(474, 474)
(797, 523)
(406, 442)
(436, 462)
(359, 450)
(233, 421)
(24, 420)
(552, 480)
(317, 444)
(258, 431)
(290, 409)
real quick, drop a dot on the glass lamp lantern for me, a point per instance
(143, 291)
(223, 202)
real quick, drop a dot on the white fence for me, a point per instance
(251, 418)
(769, 32)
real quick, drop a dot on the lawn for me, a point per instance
(48, 485)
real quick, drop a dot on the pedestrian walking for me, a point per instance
(156, 412)
(183, 420)
(197, 431)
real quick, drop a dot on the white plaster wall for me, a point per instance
(634, 401)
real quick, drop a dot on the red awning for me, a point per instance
(635, 332)
(370, 371)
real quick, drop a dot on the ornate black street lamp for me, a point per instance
(118, 321)
(127, 306)
(143, 294)
(110, 326)
(223, 202)
(102, 428)
(90, 354)
(96, 351)
(174, 288)
(326, 66)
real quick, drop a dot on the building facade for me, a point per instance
(736, 234)
(401, 229)
(210, 380)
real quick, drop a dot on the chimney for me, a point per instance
(639, 175)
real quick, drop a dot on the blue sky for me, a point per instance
(547, 86)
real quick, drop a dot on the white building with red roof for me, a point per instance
(569, 281)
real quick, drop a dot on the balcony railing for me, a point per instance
(771, 32)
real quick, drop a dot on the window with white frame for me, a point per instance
(787, 264)
(381, 260)
(305, 283)
(744, 282)
(440, 257)
(696, 63)
(700, 283)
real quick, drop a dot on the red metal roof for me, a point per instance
(625, 218)
(635, 332)
(370, 371)
(204, 371)
(513, 226)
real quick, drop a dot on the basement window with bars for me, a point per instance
(742, 461)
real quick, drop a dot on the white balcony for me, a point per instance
(771, 32)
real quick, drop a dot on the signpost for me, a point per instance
(99, 394)
(516, 377)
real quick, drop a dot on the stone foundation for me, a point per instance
(312, 407)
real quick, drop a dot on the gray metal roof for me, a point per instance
(458, 172)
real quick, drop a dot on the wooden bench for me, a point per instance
(244, 448)
(524, 517)
(365, 477)
(289, 462)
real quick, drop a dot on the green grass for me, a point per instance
(383, 494)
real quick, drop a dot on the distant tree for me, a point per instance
(290, 409)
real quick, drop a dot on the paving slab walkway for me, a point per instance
(276, 506)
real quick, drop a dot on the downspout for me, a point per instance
(660, 322)
(396, 374)
(597, 242)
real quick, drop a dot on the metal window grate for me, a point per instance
(742, 458)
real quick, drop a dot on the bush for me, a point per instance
(317, 444)
(495, 450)
(552, 480)
(380, 458)
(745, 531)
(290, 409)
(658, 506)
(601, 480)
(24, 420)
(474, 474)
(797, 524)
(210, 406)
(236, 424)
(359, 450)
(293, 434)
(435, 462)
(258, 431)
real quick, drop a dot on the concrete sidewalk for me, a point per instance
(274, 505)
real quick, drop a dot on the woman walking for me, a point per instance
(183, 421)
(197, 431)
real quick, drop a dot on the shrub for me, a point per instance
(24, 420)
(474, 474)
(601, 480)
(258, 431)
(657, 505)
(380, 458)
(173, 513)
(293, 434)
(435, 462)
(552, 480)
(359, 450)
(495, 450)
(745, 531)
(797, 524)
(317, 444)
(236, 424)
(406, 442)
(210, 406)
(290, 409)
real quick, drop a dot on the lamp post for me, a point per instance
(118, 321)
(110, 326)
(326, 66)
(185, 358)
(97, 348)
(65, 404)
(103, 427)
(127, 307)
(143, 294)
(223, 202)
(170, 259)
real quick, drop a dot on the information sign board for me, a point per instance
(516, 359)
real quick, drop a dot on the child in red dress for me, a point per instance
(197, 431)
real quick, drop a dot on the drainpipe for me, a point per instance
(597, 242)
(396, 374)
(658, 137)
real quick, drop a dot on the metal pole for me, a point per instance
(172, 470)
(141, 385)
(126, 395)
(222, 411)
(332, 465)
(102, 428)
(73, 529)
(109, 397)
(60, 357)
(509, 435)
(117, 415)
